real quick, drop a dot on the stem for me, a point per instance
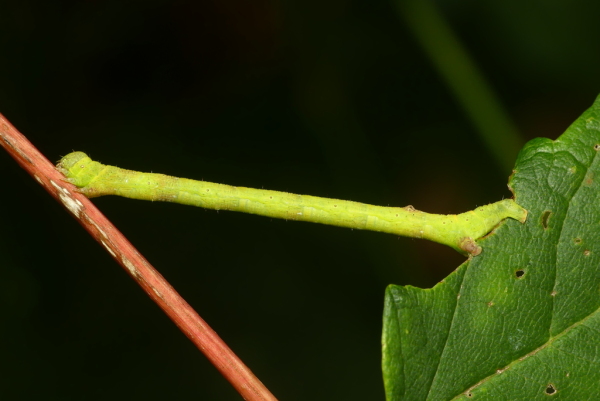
(157, 288)
(464, 78)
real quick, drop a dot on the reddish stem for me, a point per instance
(157, 288)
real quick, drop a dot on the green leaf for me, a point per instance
(520, 321)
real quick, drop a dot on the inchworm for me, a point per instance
(458, 231)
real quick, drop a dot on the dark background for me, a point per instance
(333, 99)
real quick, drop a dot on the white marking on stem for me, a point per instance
(108, 248)
(158, 294)
(92, 222)
(131, 268)
(72, 204)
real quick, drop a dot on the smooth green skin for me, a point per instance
(458, 231)
(522, 321)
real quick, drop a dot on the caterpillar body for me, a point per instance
(459, 231)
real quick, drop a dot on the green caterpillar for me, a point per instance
(458, 231)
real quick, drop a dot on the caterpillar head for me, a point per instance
(79, 169)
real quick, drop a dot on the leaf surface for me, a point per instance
(520, 321)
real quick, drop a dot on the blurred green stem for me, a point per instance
(464, 79)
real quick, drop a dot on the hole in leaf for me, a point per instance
(520, 273)
(550, 390)
(545, 218)
(597, 146)
(577, 241)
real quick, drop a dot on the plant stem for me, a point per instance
(151, 281)
(464, 78)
